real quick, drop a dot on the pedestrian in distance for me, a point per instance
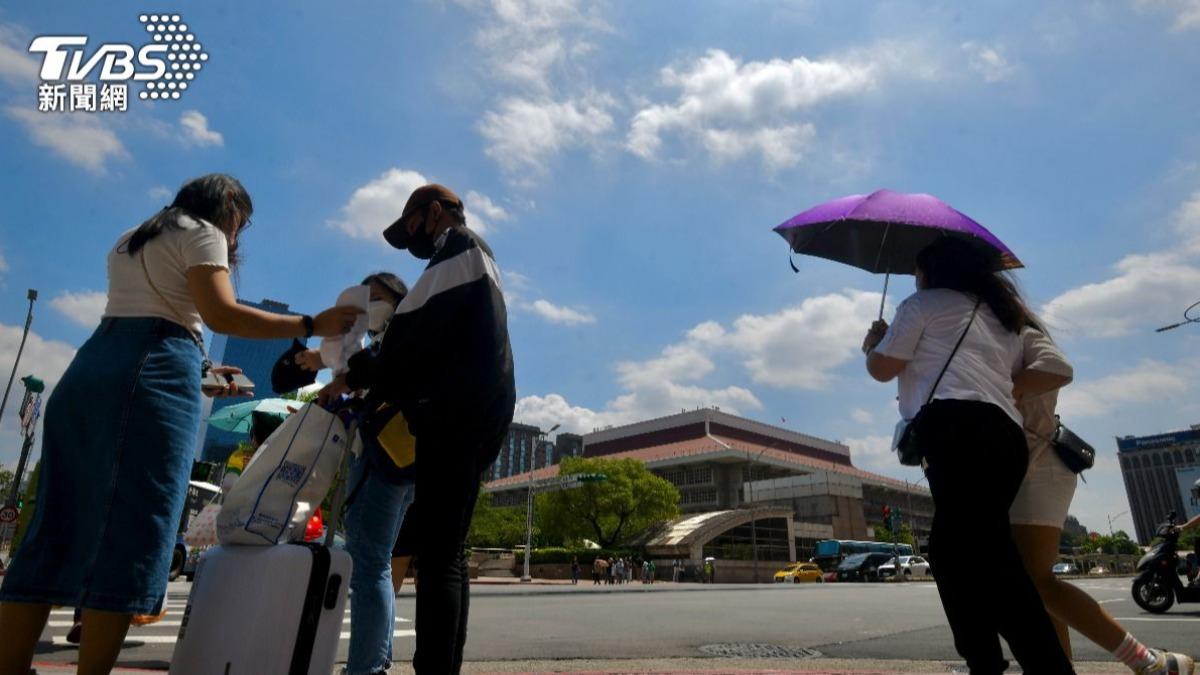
(574, 570)
(956, 343)
(676, 570)
(446, 363)
(596, 562)
(121, 425)
(1040, 509)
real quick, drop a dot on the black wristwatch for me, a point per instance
(308, 326)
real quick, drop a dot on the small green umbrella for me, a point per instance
(236, 418)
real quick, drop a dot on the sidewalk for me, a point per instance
(709, 666)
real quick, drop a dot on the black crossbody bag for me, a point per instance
(908, 448)
(1076, 453)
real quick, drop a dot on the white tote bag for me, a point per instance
(286, 480)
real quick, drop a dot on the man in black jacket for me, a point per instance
(446, 361)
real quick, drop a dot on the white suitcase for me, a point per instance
(264, 610)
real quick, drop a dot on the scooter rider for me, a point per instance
(1194, 563)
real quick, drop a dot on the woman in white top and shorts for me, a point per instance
(1040, 509)
(972, 445)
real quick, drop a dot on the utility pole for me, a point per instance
(753, 515)
(32, 296)
(1111, 518)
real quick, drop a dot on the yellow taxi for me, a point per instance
(800, 573)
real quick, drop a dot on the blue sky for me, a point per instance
(627, 162)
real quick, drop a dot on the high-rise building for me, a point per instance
(567, 445)
(1154, 468)
(255, 358)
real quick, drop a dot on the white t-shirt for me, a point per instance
(168, 258)
(927, 326)
(1040, 353)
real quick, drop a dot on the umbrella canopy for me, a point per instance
(882, 232)
(236, 418)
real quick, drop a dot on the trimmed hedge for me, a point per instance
(562, 556)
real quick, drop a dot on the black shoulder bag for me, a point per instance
(1075, 452)
(908, 447)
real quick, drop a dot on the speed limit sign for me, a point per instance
(8, 514)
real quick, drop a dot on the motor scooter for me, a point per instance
(1157, 585)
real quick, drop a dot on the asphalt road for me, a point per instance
(878, 621)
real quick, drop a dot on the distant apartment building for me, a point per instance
(1159, 471)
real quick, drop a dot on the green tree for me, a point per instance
(496, 526)
(905, 536)
(6, 481)
(610, 511)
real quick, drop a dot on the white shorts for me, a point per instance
(1045, 494)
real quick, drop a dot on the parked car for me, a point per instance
(910, 566)
(1064, 568)
(798, 573)
(1098, 569)
(862, 567)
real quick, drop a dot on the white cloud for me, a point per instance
(989, 61)
(1149, 381)
(16, 65)
(798, 347)
(376, 205)
(873, 453)
(194, 126)
(80, 138)
(1145, 292)
(159, 193)
(84, 308)
(862, 416)
(527, 41)
(46, 359)
(730, 109)
(561, 315)
(1186, 12)
(523, 134)
(3, 263)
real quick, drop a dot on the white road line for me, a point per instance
(135, 640)
(1159, 618)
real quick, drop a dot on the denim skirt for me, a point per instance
(117, 447)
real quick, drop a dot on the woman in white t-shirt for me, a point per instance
(972, 445)
(1040, 509)
(120, 425)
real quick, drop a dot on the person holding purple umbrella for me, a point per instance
(954, 345)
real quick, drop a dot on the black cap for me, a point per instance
(397, 234)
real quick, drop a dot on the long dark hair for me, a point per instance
(391, 282)
(960, 266)
(217, 198)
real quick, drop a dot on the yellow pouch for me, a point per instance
(396, 440)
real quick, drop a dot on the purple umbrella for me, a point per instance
(884, 231)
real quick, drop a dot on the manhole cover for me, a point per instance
(759, 650)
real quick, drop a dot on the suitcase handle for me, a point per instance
(332, 591)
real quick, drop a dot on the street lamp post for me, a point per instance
(32, 296)
(912, 517)
(525, 577)
(753, 518)
(1111, 518)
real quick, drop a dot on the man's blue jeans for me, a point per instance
(373, 522)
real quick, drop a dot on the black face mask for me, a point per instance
(421, 244)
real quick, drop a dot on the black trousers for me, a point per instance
(448, 477)
(976, 458)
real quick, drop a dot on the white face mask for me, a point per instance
(378, 313)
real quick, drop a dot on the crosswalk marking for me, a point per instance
(135, 640)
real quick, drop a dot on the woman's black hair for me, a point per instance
(217, 198)
(955, 264)
(389, 281)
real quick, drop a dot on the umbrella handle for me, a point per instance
(886, 278)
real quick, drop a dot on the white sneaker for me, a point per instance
(1170, 663)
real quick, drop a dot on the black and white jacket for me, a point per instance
(445, 358)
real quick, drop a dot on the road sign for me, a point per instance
(8, 514)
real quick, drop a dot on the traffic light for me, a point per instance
(887, 517)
